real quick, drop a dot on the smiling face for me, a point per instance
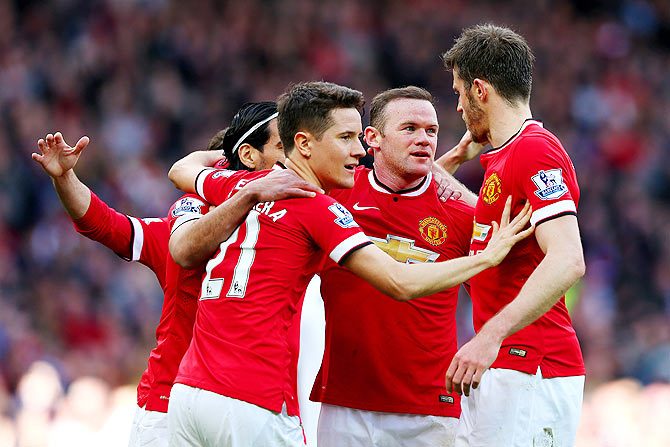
(405, 146)
(335, 155)
(471, 111)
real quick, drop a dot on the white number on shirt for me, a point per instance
(211, 288)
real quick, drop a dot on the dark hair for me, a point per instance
(307, 106)
(495, 54)
(379, 102)
(245, 118)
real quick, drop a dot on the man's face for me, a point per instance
(335, 157)
(273, 151)
(405, 146)
(471, 111)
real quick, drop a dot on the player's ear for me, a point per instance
(481, 89)
(372, 137)
(246, 154)
(302, 141)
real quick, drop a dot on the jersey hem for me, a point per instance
(291, 408)
(451, 411)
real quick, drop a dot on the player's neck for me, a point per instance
(395, 182)
(505, 121)
(304, 171)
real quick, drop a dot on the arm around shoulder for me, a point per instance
(184, 171)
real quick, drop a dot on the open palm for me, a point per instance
(57, 156)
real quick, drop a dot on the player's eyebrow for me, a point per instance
(416, 124)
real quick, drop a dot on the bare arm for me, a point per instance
(560, 269)
(196, 240)
(58, 159)
(458, 189)
(184, 172)
(407, 281)
(465, 150)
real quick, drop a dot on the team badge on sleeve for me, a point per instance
(188, 205)
(223, 173)
(344, 217)
(549, 184)
(433, 231)
(492, 189)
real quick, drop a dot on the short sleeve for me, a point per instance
(334, 229)
(213, 185)
(188, 207)
(546, 177)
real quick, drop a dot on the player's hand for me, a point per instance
(57, 157)
(508, 233)
(281, 184)
(444, 189)
(468, 365)
(465, 150)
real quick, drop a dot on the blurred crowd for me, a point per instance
(151, 80)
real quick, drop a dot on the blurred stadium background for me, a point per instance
(151, 80)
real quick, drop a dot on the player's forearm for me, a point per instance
(184, 172)
(546, 285)
(73, 194)
(450, 162)
(203, 236)
(404, 282)
(466, 195)
(417, 280)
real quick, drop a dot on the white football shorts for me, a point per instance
(198, 417)
(342, 426)
(149, 429)
(512, 408)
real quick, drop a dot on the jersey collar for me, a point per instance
(411, 192)
(525, 124)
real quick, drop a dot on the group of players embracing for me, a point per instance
(279, 197)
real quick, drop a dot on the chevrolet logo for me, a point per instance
(403, 250)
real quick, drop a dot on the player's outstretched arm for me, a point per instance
(465, 150)
(58, 159)
(195, 241)
(407, 281)
(560, 269)
(184, 171)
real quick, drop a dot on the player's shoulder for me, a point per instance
(536, 137)
(322, 207)
(320, 200)
(187, 204)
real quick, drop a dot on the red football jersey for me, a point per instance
(251, 291)
(382, 354)
(175, 327)
(532, 165)
(146, 241)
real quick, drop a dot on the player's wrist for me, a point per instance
(251, 193)
(494, 330)
(488, 257)
(67, 176)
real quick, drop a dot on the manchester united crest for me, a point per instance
(433, 231)
(492, 189)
